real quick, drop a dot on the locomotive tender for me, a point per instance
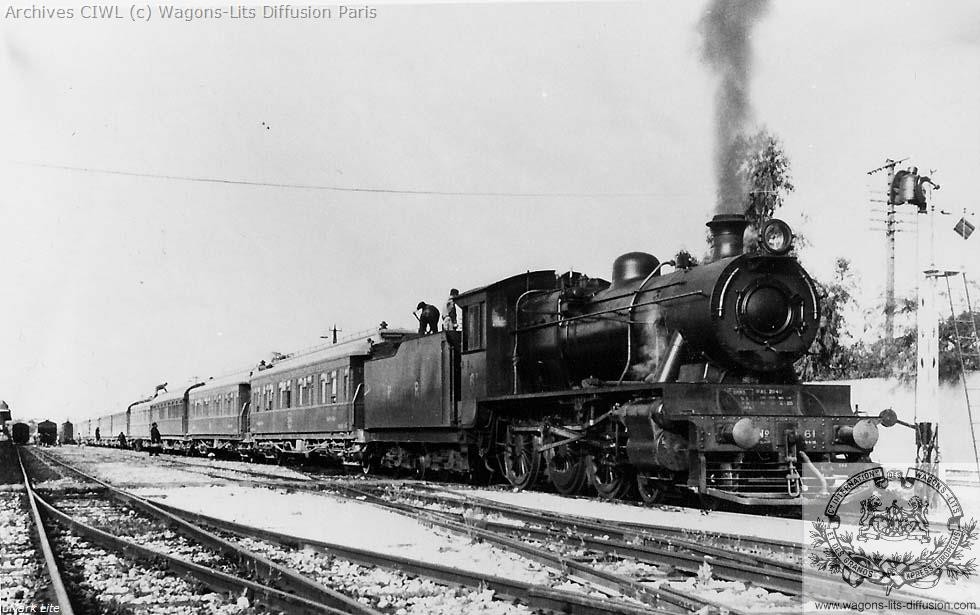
(651, 381)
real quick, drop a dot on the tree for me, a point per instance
(765, 171)
(950, 369)
(829, 358)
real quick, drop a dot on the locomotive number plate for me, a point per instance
(764, 400)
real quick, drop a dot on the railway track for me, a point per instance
(767, 564)
(314, 472)
(642, 550)
(740, 563)
(534, 596)
(770, 552)
(764, 552)
(645, 574)
(649, 544)
(31, 573)
(106, 530)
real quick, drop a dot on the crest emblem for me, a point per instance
(895, 522)
(893, 545)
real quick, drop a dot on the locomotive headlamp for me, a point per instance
(776, 237)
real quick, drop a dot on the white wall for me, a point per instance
(897, 444)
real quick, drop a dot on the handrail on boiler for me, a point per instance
(517, 327)
(629, 318)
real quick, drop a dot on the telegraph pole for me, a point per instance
(890, 230)
(334, 331)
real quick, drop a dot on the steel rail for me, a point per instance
(535, 596)
(296, 582)
(817, 585)
(258, 474)
(633, 532)
(725, 567)
(556, 600)
(726, 564)
(214, 579)
(828, 584)
(626, 530)
(686, 561)
(607, 580)
(54, 572)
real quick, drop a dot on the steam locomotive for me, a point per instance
(652, 382)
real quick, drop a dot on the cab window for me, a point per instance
(474, 323)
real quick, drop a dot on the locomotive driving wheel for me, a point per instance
(520, 460)
(370, 460)
(653, 490)
(566, 468)
(610, 479)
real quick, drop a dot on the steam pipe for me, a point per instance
(139, 401)
(629, 318)
(514, 359)
(669, 366)
(183, 420)
(156, 392)
(192, 387)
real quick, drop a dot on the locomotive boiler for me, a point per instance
(746, 315)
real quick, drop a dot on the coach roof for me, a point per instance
(358, 346)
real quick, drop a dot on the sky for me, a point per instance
(179, 199)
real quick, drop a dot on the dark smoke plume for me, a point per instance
(726, 29)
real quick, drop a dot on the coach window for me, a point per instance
(475, 327)
(306, 391)
(333, 386)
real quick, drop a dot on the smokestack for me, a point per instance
(727, 231)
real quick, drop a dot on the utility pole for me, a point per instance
(890, 230)
(334, 331)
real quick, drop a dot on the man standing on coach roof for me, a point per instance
(449, 321)
(428, 318)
